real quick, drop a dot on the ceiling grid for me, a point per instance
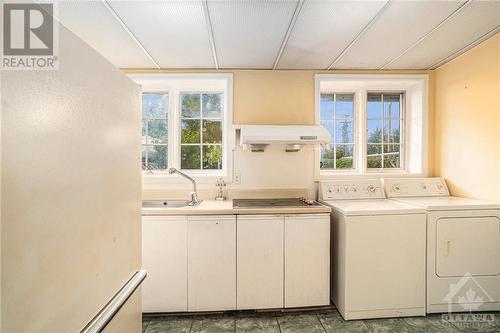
(282, 34)
(210, 33)
(464, 27)
(466, 48)
(365, 29)
(421, 39)
(288, 32)
(129, 32)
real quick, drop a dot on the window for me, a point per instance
(377, 123)
(384, 124)
(201, 131)
(337, 116)
(154, 131)
(186, 122)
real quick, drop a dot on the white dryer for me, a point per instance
(377, 251)
(463, 245)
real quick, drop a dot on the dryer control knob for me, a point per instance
(396, 188)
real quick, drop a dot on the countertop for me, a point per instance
(213, 207)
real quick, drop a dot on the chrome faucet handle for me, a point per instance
(194, 195)
(194, 199)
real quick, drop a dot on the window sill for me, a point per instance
(368, 174)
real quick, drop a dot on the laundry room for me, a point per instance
(284, 166)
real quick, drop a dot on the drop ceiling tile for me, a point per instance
(471, 23)
(249, 34)
(399, 27)
(175, 33)
(324, 29)
(92, 22)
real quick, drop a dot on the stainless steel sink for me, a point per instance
(168, 204)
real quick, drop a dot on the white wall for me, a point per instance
(275, 168)
(273, 173)
(70, 191)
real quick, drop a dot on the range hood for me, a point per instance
(293, 137)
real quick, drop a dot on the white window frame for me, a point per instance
(157, 91)
(414, 136)
(402, 134)
(175, 85)
(178, 160)
(355, 130)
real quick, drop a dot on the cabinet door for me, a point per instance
(468, 245)
(164, 256)
(211, 263)
(260, 261)
(307, 260)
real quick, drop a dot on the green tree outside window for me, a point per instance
(201, 131)
(154, 131)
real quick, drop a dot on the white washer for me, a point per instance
(463, 245)
(378, 251)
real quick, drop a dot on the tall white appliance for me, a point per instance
(463, 245)
(70, 195)
(378, 251)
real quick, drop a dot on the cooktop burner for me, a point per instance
(270, 203)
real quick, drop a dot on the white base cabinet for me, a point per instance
(307, 260)
(164, 256)
(260, 261)
(211, 263)
(217, 263)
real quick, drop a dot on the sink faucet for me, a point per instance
(194, 194)
(149, 168)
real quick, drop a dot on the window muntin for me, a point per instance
(337, 116)
(384, 124)
(154, 131)
(201, 124)
(413, 127)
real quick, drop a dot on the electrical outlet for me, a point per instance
(237, 178)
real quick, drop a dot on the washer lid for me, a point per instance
(372, 207)
(448, 203)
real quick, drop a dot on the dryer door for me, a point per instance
(468, 245)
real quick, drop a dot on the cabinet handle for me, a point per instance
(447, 248)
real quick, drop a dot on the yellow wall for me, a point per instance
(285, 97)
(467, 122)
(280, 97)
(464, 112)
(273, 97)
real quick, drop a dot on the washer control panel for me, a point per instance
(351, 189)
(415, 187)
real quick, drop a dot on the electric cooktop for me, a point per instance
(270, 203)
